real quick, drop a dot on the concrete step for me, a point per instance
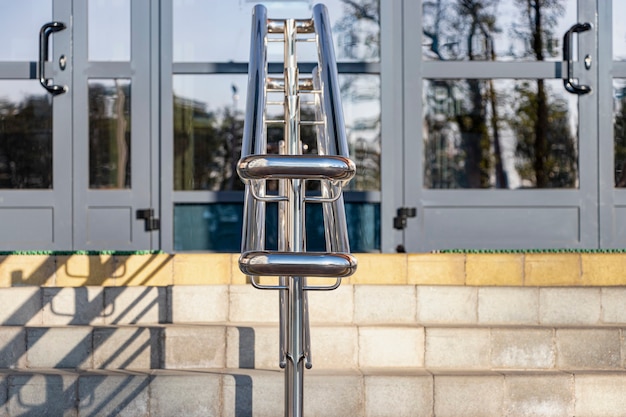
(258, 393)
(349, 304)
(334, 347)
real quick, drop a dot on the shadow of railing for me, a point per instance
(118, 329)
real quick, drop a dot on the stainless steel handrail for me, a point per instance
(331, 167)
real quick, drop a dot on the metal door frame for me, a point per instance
(139, 70)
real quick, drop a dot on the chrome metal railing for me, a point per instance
(331, 167)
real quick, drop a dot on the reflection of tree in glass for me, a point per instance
(619, 135)
(463, 29)
(207, 145)
(358, 31)
(546, 148)
(109, 135)
(550, 162)
(535, 29)
(26, 143)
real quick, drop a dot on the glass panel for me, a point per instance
(208, 126)
(500, 134)
(20, 22)
(109, 133)
(619, 131)
(25, 135)
(355, 25)
(109, 30)
(217, 227)
(619, 30)
(496, 30)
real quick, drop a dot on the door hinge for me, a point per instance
(403, 213)
(151, 223)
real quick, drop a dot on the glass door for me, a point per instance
(502, 150)
(35, 133)
(75, 145)
(612, 123)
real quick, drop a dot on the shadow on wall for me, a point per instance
(86, 335)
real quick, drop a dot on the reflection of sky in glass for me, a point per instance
(20, 22)
(619, 30)
(109, 30)
(219, 31)
(507, 45)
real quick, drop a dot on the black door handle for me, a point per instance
(568, 82)
(44, 33)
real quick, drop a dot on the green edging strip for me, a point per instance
(522, 251)
(81, 252)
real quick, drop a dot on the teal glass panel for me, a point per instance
(217, 227)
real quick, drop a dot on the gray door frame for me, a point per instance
(106, 219)
(499, 219)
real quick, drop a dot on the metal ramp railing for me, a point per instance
(331, 167)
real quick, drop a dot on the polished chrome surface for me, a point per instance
(256, 167)
(316, 264)
(331, 167)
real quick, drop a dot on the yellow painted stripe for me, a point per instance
(497, 269)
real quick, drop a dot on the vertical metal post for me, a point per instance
(294, 371)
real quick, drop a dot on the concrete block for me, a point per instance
(12, 347)
(443, 304)
(21, 306)
(436, 269)
(62, 347)
(202, 269)
(336, 395)
(144, 270)
(43, 395)
(469, 395)
(252, 347)
(569, 306)
(247, 304)
(508, 305)
(31, 270)
(135, 305)
(539, 395)
(114, 395)
(494, 269)
(543, 269)
(335, 347)
(75, 306)
(199, 303)
(185, 395)
(84, 270)
(457, 348)
(613, 302)
(523, 348)
(255, 393)
(600, 394)
(603, 269)
(385, 304)
(595, 349)
(187, 346)
(398, 396)
(391, 347)
(126, 348)
(336, 306)
(380, 269)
